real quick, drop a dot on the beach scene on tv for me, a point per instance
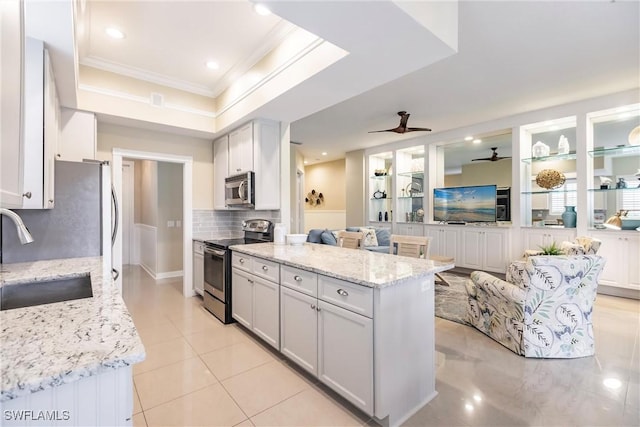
(465, 204)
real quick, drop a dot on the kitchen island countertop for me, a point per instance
(49, 345)
(372, 269)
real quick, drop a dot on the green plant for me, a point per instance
(551, 249)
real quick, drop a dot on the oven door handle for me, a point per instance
(213, 251)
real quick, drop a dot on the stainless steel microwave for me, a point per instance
(239, 191)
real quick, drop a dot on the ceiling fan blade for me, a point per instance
(485, 158)
(418, 129)
(386, 130)
(402, 128)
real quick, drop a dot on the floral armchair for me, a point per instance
(544, 307)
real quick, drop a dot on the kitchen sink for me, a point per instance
(46, 292)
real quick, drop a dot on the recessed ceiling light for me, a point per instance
(114, 33)
(261, 9)
(213, 65)
(305, 162)
(477, 398)
(324, 153)
(468, 138)
(468, 407)
(477, 141)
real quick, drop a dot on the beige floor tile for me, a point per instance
(163, 354)
(210, 406)
(307, 408)
(264, 386)
(206, 341)
(197, 320)
(139, 420)
(158, 332)
(245, 423)
(169, 382)
(229, 361)
(137, 407)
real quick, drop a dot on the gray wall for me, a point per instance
(354, 177)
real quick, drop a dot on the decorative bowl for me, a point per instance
(296, 239)
(550, 179)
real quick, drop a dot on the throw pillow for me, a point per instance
(315, 235)
(328, 238)
(356, 229)
(384, 236)
(369, 237)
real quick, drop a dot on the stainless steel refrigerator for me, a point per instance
(80, 223)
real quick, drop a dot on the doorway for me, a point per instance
(187, 189)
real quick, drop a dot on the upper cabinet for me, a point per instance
(11, 142)
(380, 193)
(252, 147)
(41, 127)
(77, 135)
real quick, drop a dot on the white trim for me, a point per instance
(169, 274)
(187, 216)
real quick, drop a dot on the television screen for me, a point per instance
(465, 204)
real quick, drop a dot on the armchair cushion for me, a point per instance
(328, 238)
(546, 312)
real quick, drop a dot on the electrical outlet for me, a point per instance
(171, 223)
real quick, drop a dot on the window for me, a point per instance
(565, 196)
(629, 199)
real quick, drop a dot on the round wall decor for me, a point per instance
(550, 179)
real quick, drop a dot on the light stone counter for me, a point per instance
(372, 269)
(50, 345)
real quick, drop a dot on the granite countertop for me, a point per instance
(53, 344)
(372, 269)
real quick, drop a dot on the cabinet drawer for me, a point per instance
(356, 298)
(241, 261)
(266, 269)
(198, 247)
(300, 280)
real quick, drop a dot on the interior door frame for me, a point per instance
(133, 249)
(187, 220)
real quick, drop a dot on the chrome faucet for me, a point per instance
(23, 233)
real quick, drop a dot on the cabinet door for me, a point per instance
(198, 273)
(299, 328)
(11, 141)
(533, 239)
(266, 311)
(494, 249)
(449, 243)
(51, 133)
(77, 136)
(242, 298)
(633, 266)
(411, 229)
(241, 150)
(472, 249)
(220, 171)
(434, 243)
(345, 354)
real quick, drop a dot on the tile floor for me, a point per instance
(200, 372)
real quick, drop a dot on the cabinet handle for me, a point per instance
(313, 307)
(238, 170)
(297, 278)
(265, 268)
(250, 281)
(241, 260)
(317, 308)
(27, 194)
(58, 155)
(342, 292)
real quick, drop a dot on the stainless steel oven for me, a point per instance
(217, 266)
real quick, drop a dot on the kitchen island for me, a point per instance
(361, 322)
(68, 361)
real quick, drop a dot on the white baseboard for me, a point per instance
(169, 274)
(148, 270)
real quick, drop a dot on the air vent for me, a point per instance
(157, 99)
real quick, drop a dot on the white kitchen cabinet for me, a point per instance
(410, 229)
(444, 240)
(345, 336)
(621, 251)
(220, 171)
(484, 249)
(77, 135)
(11, 116)
(255, 296)
(41, 129)
(198, 267)
(241, 150)
(534, 238)
(299, 328)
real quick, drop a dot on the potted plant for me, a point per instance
(551, 249)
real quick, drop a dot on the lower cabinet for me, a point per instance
(255, 302)
(621, 251)
(198, 267)
(325, 340)
(444, 240)
(484, 249)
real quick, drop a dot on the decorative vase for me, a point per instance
(569, 217)
(563, 145)
(380, 216)
(540, 149)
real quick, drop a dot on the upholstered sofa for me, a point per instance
(377, 240)
(544, 307)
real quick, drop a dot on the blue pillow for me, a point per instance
(384, 236)
(328, 238)
(315, 235)
(356, 229)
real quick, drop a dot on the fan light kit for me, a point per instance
(402, 128)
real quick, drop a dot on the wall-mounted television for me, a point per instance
(465, 204)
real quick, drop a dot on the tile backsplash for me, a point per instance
(210, 224)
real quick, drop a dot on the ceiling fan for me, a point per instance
(402, 128)
(494, 157)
